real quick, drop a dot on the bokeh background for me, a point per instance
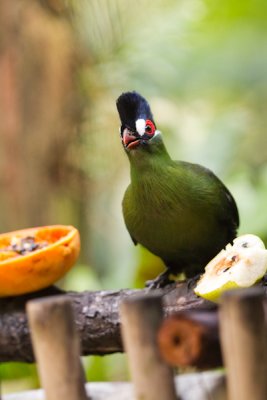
(202, 64)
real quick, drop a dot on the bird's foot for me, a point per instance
(191, 282)
(160, 281)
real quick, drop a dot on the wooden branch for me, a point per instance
(191, 338)
(96, 316)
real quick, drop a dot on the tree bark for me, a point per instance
(96, 318)
(191, 338)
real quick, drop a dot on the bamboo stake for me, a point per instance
(244, 344)
(57, 348)
(141, 318)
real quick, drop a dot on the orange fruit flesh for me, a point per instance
(39, 268)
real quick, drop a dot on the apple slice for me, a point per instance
(239, 265)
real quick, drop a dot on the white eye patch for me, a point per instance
(140, 125)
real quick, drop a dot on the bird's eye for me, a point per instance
(150, 128)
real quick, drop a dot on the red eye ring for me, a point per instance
(150, 128)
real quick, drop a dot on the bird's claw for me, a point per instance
(159, 282)
(191, 282)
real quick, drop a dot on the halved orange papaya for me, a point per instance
(35, 258)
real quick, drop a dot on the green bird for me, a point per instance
(179, 211)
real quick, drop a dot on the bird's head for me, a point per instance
(138, 128)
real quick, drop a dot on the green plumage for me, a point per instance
(179, 211)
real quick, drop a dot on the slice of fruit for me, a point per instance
(239, 265)
(32, 259)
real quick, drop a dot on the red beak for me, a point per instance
(129, 140)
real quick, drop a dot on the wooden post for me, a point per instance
(244, 344)
(57, 348)
(141, 317)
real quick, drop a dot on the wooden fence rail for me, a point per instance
(242, 331)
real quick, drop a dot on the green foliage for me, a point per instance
(148, 266)
(81, 278)
(15, 376)
(108, 368)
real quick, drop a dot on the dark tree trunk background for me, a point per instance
(40, 110)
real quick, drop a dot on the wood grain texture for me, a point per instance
(141, 317)
(57, 348)
(96, 317)
(244, 344)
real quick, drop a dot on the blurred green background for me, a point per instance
(201, 64)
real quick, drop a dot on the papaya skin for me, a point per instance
(42, 267)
